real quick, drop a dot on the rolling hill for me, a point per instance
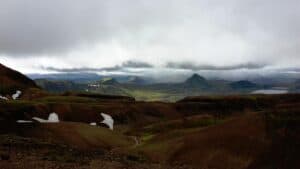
(59, 85)
(11, 80)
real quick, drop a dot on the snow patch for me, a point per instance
(24, 121)
(93, 124)
(108, 120)
(53, 118)
(3, 97)
(40, 120)
(270, 91)
(16, 95)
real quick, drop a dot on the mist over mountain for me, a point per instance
(145, 88)
(243, 84)
(109, 81)
(136, 80)
(197, 81)
(77, 77)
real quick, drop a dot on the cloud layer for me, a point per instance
(97, 34)
(117, 68)
(195, 67)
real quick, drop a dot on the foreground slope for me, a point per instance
(11, 80)
(197, 132)
(77, 135)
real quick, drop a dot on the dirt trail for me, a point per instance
(136, 141)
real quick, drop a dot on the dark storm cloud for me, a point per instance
(122, 67)
(195, 67)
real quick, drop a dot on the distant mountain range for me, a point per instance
(133, 86)
(88, 77)
(142, 89)
(75, 77)
(59, 85)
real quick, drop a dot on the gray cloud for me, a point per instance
(136, 64)
(122, 67)
(246, 34)
(32, 28)
(196, 67)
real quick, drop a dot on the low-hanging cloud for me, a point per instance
(196, 67)
(125, 65)
(136, 64)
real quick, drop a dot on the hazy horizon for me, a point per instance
(230, 39)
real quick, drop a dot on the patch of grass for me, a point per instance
(147, 136)
(146, 95)
(191, 122)
(73, 99)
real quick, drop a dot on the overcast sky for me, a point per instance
(149, 35)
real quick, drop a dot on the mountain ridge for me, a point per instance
(196, 81)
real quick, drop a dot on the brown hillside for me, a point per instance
(234, 144)
(11, 80)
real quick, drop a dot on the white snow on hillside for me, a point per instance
(93, 124)
(53, 118)
(3, 97)
(108, 120)
(16, 95)
(40, 120)
(24, 121)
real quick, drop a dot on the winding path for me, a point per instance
(136, 140)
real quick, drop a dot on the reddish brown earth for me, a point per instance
(27, 153)
(254, 134)
(12, 80)
(234, 144)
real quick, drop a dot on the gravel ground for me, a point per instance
(26, 153)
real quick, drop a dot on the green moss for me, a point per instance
(147, 137)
